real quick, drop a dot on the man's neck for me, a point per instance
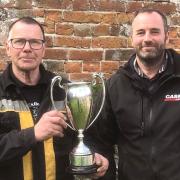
(27, 77)
(150, 71)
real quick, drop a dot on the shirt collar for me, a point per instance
(161, 69)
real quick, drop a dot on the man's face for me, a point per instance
(149, 37)
(25, 59)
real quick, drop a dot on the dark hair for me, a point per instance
(27, 20)
(147, 10)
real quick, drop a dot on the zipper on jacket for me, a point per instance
(142, 116)
(142, 128)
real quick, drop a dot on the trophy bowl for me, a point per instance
(80, 102)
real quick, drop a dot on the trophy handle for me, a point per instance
(58, 78)
(101, 77)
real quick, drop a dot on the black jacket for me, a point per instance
(21, 157)
(143, 119)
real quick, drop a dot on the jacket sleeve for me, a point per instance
(15, 144)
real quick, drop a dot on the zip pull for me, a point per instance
(142, 128)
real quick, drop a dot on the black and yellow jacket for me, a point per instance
(21, 156)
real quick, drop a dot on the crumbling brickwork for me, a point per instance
(85, 36)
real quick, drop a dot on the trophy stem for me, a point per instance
(82, 158)
(80, 134)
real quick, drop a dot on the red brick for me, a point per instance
(3, 65)
(38, 12)
(21, 4)
(53, 15)
(54, 66)
(82, 30)
(3, 55)
(134, 6)
(9, 4)
(114, 30)
(79, 5)
(109, 42)
(73, 67)
(49, 27)
(118, 6)
(82, 17)
(100, 30)
(173, 32)
(109, 67)
(64, 29)
(174, 43)
(130, 42)
(49, 41)
(92, 66)
(4, 59)
(86, 55)
(109, 18)
(55, 53)
(118, 54)
(124, 18)
(76, 42)
(80, 76)
(166, 8)
(55, 4)
(175, 20)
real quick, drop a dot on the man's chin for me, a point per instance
(27, 68)
(148, 55)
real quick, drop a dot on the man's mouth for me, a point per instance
(148, 48)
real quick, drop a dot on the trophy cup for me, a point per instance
(81, 102)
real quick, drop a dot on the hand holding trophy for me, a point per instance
(79, 101)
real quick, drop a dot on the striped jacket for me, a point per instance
(21, 157)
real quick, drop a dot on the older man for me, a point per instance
(34, 138)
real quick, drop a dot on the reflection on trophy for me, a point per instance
(81, 102)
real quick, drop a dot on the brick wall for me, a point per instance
(85, 36)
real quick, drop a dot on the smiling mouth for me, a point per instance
(148, 48)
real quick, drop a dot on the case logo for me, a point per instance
(172, 97)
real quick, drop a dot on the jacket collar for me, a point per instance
(173, 65)
(7, 79)
(172, 71)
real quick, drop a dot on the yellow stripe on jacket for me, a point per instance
(50, 159)
(26, 121)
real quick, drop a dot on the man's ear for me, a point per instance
(7, 46)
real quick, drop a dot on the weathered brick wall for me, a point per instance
(85, 36)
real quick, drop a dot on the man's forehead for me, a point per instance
(24, 29)
(20, 24)
(148, 20)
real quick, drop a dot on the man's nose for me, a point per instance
(148, 37)
(27, 46)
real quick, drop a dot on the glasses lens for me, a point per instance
(20, 43)
(36, 43)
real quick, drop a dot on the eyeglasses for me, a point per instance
(19, 43)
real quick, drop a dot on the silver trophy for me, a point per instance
(82, 101)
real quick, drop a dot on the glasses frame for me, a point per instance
(27, 40)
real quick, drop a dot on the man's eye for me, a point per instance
(155, 32)
(140, 33)
(19, 41)
(35, 42)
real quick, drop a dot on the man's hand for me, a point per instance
(102, 164)
(51, 123)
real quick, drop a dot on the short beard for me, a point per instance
(151, 58)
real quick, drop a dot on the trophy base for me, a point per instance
(82, 170)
